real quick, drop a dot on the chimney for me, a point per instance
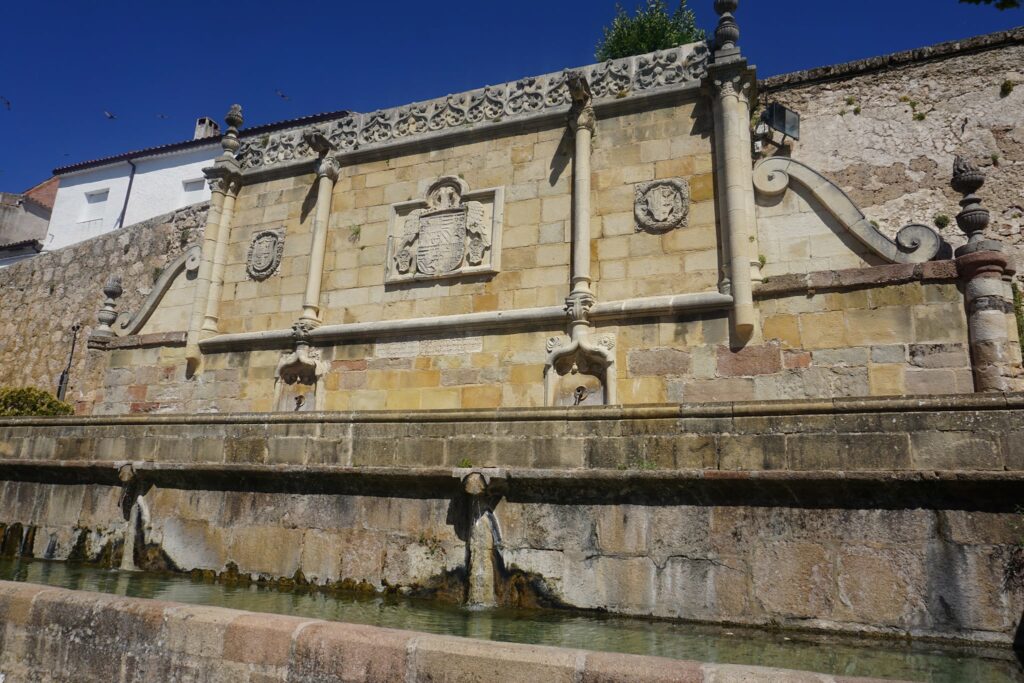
(206, 128)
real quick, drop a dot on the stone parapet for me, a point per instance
(949, 433)
(104, 638)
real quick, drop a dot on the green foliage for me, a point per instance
(1006, 88)
(850, 101)
(29, 401)
(941, 221)
(856, 111)
(920, 116)
(649, 28)
(995, 159)
(465, 463)
(999, 4)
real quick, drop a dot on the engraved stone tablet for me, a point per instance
(451, 232)
(662, 205)
(265, 252)
(446, 346)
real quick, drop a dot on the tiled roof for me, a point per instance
(189, 144)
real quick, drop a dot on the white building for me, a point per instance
(98, 196)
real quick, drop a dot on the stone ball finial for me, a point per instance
(234, 116)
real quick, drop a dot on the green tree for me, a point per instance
(1000, 4)
(650, 28)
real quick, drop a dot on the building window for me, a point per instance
(94, 208)
(194, 190)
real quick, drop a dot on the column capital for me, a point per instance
(581, 115)
(328, 168)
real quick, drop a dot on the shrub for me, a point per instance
(941, 221)
(1006, 88)
(29, 401)
(650, 28)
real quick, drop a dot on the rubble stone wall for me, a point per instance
(886, 130)
(42, 297)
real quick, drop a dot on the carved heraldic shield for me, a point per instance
(662, 205)
(443, 238)
(265, 253)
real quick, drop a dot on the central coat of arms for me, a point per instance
(446, 236)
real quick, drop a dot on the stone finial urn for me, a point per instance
(727, 33)
(107, 315)
(973, 217)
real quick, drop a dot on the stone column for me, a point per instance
(220, 254)
(219, 177)
(327, 174)
(583, 123)
(731, 84)
(983, 266)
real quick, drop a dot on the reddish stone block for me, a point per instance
(750, 360)
(260, 639)
(143, 407)
(350, 652)
(611, 667)
(939, 270)
(796, 359)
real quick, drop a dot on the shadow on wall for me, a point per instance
(1018, 642)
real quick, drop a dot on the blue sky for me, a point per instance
(157, 65)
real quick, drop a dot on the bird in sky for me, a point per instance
(161, 116)
(109, 115)
(6, 102)
(282, 95)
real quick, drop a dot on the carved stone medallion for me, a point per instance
(445, 234)
(265, 253)
(662, 205)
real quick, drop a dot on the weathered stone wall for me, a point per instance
(879, 331)
(886, 516)
(44, 296)
(46, 632)
(886, 130)
(535, 169)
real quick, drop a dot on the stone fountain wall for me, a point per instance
(885, 516)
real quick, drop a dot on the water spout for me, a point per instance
(134, 531)
(482, 544)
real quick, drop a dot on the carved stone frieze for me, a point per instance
(526, 97)
(451, 232)
(265, 251)
(662, 205)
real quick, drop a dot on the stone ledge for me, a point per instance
(138, 341)
(990, 41)
(857, 278)
(884, 404)
(224, 643)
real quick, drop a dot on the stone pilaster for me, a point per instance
(731, 85)
(984, 268)
(221, 177)
(327, 174)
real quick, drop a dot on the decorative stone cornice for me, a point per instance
(520, 100)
